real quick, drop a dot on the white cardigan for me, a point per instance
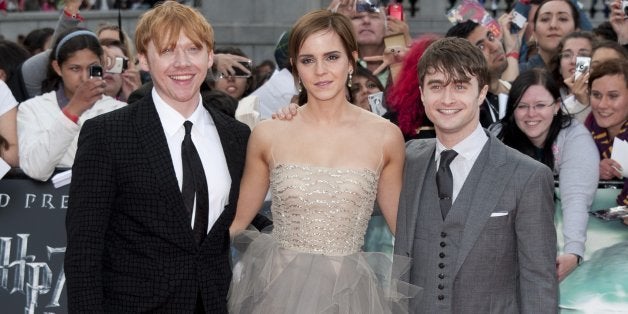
(47, 138)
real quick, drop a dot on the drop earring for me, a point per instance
(299, 86)
(350, 81)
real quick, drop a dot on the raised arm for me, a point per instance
(35, 68)
(619, 22)
(44, 135)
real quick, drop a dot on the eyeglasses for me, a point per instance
(537, 107)
(569, 55)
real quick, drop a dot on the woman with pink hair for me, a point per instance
(404, 96)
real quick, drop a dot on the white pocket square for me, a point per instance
(499, 214)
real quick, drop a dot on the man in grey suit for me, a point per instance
(480, 229)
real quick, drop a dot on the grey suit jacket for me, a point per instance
(495, 251)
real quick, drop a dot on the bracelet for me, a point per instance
(75, 16)
(513, 54)
(74, 118)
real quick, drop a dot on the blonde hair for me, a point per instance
(163, 24)
(129, 48)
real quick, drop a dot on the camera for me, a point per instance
(624, 5)
(95, 71)
(367, 6)
(582, 66)
(117, 65)
(237, 71)
(517, 22)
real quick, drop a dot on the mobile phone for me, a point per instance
(376, 102)
(582, 65)
(95, 71)
(395, 10)
(118, 65)
(624, 5)
(517, 22)
(240, 73)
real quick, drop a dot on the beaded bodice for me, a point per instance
(321, 210)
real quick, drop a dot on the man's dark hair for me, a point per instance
(606, 31)
(462, 30)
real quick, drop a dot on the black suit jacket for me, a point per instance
(130, 244)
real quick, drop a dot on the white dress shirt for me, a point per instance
(468, 151)
(207, 142)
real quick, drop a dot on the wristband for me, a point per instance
(70, 116)
(513, 54)
(75, 16)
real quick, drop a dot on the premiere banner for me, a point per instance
(32, 245)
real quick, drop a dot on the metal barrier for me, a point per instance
(32, 241)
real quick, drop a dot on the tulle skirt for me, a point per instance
(271, 279)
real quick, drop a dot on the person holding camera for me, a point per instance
(570, 69)
(74, 91)
(121, 75)
(619, 20)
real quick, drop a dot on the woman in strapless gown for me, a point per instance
(325, 169)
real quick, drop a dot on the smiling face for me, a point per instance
(452, 105)
(492, 49)
(323, 66)
(609, 102)
(534, 113)
(75, 69)
(573, 48)
(178, 71)
(554, 21)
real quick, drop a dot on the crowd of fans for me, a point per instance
(538, 101)
(53, 5)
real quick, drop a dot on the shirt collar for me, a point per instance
(469, 148)
(172, 120)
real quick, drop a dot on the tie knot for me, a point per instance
(188, 127)
(447, 156)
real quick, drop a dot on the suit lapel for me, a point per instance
(414, 174)
(153, 139)
(486, 196)
(229, 143)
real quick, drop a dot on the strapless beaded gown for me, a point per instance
(312, 261)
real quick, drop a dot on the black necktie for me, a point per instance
(194, 184)
(445, 181)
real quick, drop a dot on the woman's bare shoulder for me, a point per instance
(378, 124)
